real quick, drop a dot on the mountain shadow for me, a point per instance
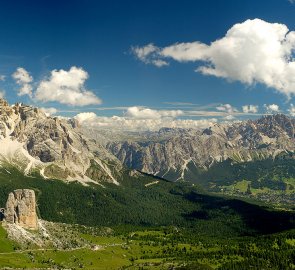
(262, 220)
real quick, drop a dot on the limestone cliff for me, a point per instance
(31, 141)
(21, 209)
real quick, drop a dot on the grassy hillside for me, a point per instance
(158, 248)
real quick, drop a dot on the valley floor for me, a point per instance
(155, 248)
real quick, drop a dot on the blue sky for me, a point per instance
(100, 38)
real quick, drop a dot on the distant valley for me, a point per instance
(218, 158)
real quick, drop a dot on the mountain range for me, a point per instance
(181, 154)
(60, 148)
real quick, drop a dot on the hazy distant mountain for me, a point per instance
(182, 154)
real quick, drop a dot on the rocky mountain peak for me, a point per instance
(3, 103)
(276, 124)
(5, 109)
(52, 146)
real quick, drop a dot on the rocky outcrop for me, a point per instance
(21, 209)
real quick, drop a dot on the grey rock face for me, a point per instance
(21, 209)
(60, 149)
(186, 151)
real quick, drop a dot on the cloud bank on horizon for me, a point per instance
(141, 118)
(127, 123)
(253, 51)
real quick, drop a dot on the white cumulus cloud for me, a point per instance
(160, 63)
(272, 108)
(49, 111)
(229, 118)
(146, 113)
(66, 87)
(254, 51)
(24, 80)
(149, 55)
(250, 108)
(144, 53)
(226, 108)
(86, 117)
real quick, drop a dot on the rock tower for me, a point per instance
(21, 209)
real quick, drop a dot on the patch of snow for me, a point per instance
(42, 173)
(151, 183)
(12, 150)
(266, 139)
(183, 168)
(83, 180)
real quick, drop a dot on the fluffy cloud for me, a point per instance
(2, 78)
(86, 117)
(144, 53)
(49, 111)
(146, 113)
(291, 110)
(272, 108)
(250, 109)
(184, 52)
(66, 87)
(160, 63)
(23, 79)
(250, 52)
(130, 124)
(226, 108)
(2, 93)
(229, 117)
(149, 55)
